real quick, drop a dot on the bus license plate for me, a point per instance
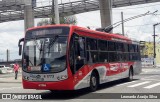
(39, 79)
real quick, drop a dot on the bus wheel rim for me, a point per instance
(94, 81)
(130, 75)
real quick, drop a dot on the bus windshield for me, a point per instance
(46, 51)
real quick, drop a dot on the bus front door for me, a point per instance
(79, 58)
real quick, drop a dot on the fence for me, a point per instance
(147, 62)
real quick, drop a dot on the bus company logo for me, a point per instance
(6, 96)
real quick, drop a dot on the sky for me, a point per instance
(138, 29)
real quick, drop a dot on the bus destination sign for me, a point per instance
(43, 32)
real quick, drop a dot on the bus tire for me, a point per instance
(130, 75)
(94, 81)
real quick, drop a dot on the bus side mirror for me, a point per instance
(20, 49)
(20, 46)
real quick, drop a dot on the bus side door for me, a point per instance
(78, 60)
(79, 52)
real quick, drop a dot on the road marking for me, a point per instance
(150, 70)
(10, 88)
(126, 83)
(139, 84)
(153, 85)
(149, 76)
(151, 79)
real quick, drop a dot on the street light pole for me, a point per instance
(154, 43)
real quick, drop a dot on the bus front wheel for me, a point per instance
(94, 81)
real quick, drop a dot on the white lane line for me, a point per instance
(126, 83)
(153, 85)
(150, 77)
(10, 88)
(140, 84)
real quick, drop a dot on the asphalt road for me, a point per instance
(147, 82)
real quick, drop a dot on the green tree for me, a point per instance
(63, 20)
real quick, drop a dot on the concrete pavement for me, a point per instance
(147, 82)
(11, 79)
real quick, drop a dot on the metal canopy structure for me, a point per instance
(122, 3)
(11, 10)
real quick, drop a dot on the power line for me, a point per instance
(139, 25)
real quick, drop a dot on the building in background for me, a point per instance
(147, 53)
(158, 54)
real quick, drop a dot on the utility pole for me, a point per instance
(7, 55)
(56, 12)
(154, 43)
(122, 23)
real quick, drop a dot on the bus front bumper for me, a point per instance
(59, 85)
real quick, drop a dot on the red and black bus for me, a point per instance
(68, 57)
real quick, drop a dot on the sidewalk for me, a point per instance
(151, 66)
(11, 80)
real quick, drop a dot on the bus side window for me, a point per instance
(92, 52)
(111, 46)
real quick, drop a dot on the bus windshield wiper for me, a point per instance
(31, 62)
(52, 42)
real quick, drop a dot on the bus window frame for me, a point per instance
(91, 51)
(124, 50)
(100, 51)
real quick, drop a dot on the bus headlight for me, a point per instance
(26, 78)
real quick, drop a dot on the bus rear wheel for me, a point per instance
(94, 82)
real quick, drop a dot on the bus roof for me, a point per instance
(82, 29)
(111, 35)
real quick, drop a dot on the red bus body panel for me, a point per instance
(59, 85)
